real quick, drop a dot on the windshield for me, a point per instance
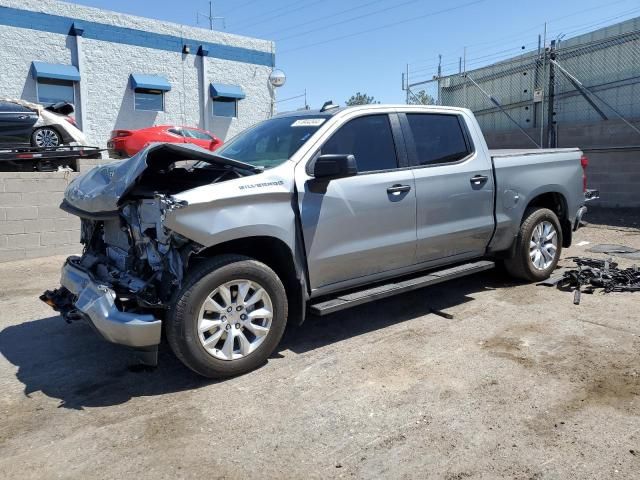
(271, 142)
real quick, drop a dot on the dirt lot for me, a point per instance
(520, 384)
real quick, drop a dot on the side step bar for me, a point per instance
(342, 302)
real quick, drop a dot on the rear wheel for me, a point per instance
(538, 246)
(229, 316)
(45, 137)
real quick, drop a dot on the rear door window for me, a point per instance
(369, 139)
(438, 138)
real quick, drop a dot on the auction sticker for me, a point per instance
(308, 122)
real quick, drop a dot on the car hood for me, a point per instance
(102, 189)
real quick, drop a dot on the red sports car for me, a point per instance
(126, 143)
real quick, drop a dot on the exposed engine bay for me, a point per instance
(135, 254)
(129, 249)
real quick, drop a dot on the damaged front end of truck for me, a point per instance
(132, 263)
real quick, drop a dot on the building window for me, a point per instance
(225, 107)
(51, 91)
(149, 99)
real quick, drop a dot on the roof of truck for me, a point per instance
(337, 109)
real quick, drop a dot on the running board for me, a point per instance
(399, 286)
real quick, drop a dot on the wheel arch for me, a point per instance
(277, 255)
(557, 203)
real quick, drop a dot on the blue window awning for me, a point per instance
(222, 90)
(151, 82)
(55, 71)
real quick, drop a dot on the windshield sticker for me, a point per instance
(308, 122)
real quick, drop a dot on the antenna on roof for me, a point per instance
(211, 18)
(328, 105)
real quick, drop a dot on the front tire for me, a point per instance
(228, 317)
(538, 246)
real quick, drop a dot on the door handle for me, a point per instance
(397, 189)
(23, 117)
(478, 179)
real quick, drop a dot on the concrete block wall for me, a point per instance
(616, 173)
(613, 149)
(31, 224)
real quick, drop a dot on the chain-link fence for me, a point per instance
(583, 92)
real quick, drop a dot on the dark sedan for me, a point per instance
(24, 124)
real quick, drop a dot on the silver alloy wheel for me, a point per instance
(235, 319)
(543, 245)
(47, 137)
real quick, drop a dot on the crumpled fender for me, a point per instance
(257, 205)
(103, 188)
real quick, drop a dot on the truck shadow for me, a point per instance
(317, 331)
(71, 363)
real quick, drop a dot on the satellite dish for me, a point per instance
(277, 78)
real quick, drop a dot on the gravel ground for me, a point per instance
(520, 384)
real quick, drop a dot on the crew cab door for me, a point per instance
(16, 124)
(454, 187)
(361, 225)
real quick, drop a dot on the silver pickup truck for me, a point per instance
(312, 211)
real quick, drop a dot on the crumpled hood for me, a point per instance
(101, 189)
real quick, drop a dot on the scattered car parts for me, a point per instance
(593, 274)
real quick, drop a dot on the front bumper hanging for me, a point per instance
(96, 302)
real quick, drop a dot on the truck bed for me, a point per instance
(518, 175)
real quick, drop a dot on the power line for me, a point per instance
(473, 60)
(388, 25)
(242, 5)
(583, 27)
(244, 25)
(347, 20)
(519, 36)
(589, 27)
(318, 19)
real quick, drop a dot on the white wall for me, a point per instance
(19, 47)
(107, 67)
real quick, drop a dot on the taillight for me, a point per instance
(584, 162)
(120, 133)
(71, 120)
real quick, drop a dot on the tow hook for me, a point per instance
(61, 300)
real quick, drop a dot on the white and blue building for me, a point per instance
(126, 72)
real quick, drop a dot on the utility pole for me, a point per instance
(210, 17)
(407, 79)
(551, 127)
(544, 67)
(439, 65)
(464, 73)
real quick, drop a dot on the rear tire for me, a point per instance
(218, 293)
(45, 137)
(538, 246)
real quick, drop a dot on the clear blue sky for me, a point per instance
(334, 48)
